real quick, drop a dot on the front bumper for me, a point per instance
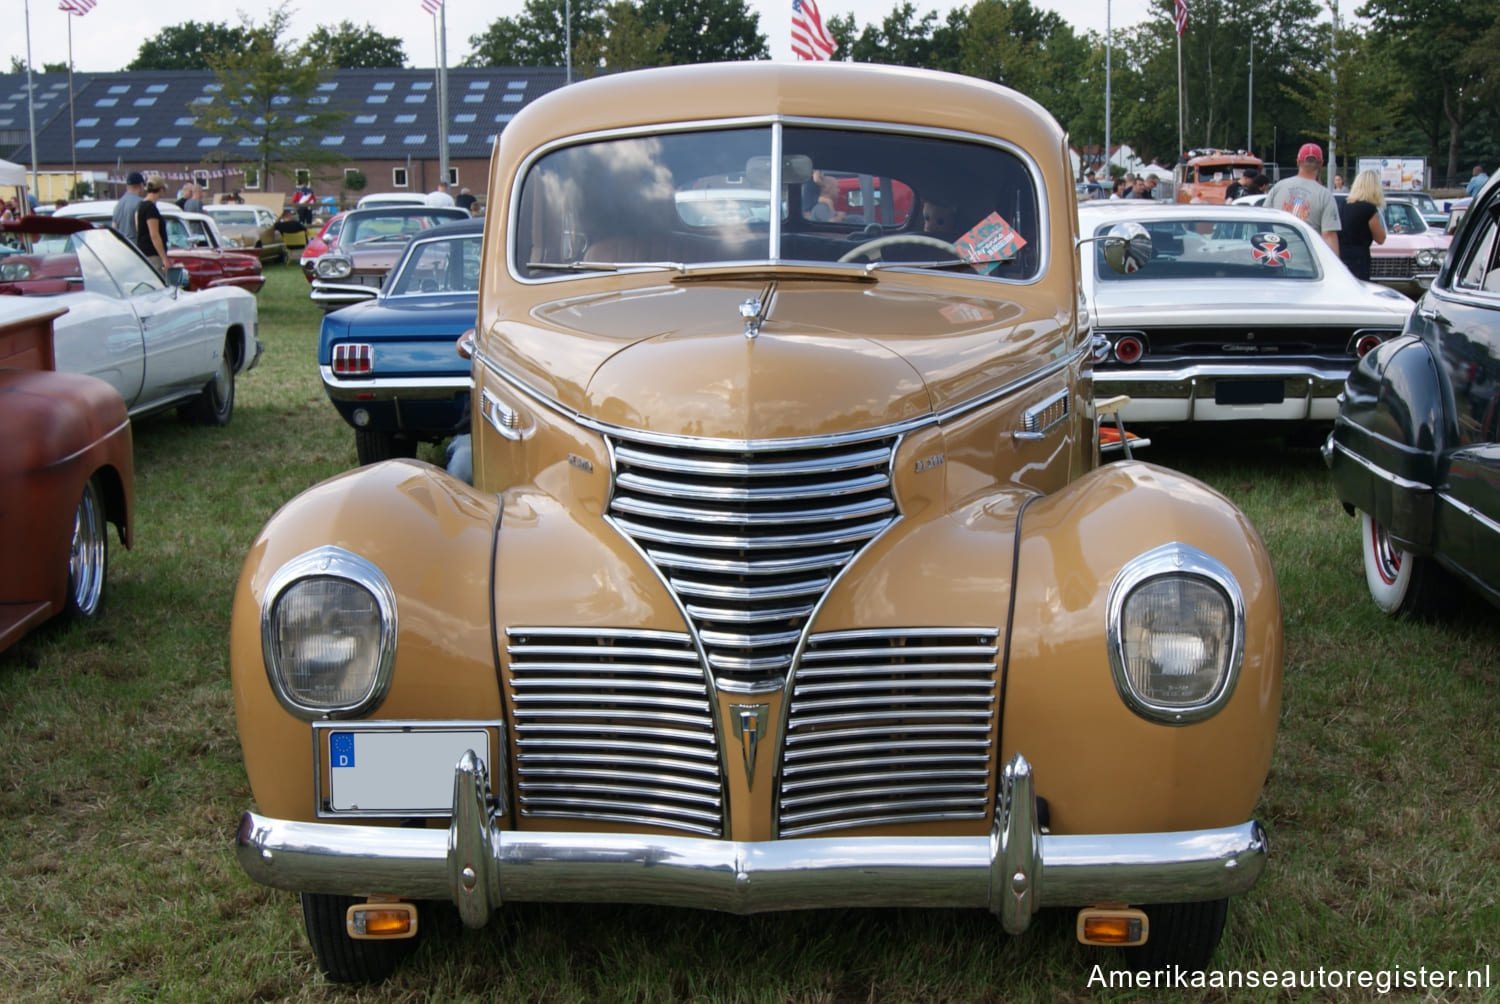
(1013, 871)
(1192, 392)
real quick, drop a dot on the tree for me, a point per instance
(628, 42)
(536, 37)
(268, 95)
(701, 31)
(346, 47)
(189, 46)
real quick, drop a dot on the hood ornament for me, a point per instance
(750, 311)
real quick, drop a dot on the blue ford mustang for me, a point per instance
(390, 365)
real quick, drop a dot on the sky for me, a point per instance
(109, 36)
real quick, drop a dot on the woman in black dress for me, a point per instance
(1360, 224)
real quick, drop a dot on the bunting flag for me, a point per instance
(432, 6)
(78, 8)
(810, 40)
(1180, 17)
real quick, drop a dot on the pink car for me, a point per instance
(1413, 252)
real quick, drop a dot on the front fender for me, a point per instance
(1101, 767)
(433, 538)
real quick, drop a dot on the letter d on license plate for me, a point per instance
(397, 771)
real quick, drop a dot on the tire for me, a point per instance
(1181, 934)
(1401, 583)
(342, 958)
(88, 557)
(374, 445)
(215, 403)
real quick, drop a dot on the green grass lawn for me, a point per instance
(121, 781)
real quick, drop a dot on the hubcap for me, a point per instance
(1387, 558)
(86, 556)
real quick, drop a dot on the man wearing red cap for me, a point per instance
(1304, 196)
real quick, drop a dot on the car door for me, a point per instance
(1460, 317)
(180, 353)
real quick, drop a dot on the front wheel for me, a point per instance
(344, 959)
(375, 445)
(1401, 583)
(215, 403)
(88, 557)
(1181, 935)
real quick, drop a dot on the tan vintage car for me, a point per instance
(789, 575)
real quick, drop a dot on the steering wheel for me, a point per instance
(864, 250)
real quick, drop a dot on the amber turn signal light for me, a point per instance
(384, 921)
(1117, 926)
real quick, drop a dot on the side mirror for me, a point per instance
(178, 276)
(1127, 247)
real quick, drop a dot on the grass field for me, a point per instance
(121, 782)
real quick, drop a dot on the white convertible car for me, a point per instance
(1239, 314)
(157, 344)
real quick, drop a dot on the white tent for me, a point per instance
(12, 174)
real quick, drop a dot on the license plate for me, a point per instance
(399, 770)
(1249, 392)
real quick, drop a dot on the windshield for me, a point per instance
(235, 217)
(1403, 218)
(393, 225)
(840, 196)
(1253, 250)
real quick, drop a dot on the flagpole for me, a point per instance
(1180, 148)
(1108, 46)
(442, 95)
(30, 106)
(72, 119)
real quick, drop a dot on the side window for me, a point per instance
(127, 268)
(1478, 269)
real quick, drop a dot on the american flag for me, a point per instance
(1180, 17)
(77, 7)
(432, 6)
(810, 40)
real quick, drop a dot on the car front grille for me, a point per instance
(614, 725)
(1383, 267)
(888, 727)
(750, 540)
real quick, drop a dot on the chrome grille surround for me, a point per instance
(616, 725)
(890, 726)
(749, 537)
(1392, 267)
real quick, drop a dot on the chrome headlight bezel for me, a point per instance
(334, 267)
(329, 562)
(13, 271)
(1426, 258)
(1175, 561)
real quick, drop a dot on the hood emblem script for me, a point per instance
(749, 724)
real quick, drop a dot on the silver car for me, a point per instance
(1240, 314)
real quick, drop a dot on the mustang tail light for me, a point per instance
(353, 359)
(1129, 349)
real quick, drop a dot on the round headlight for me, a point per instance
(332, 267)
(15, 270)
(1425, 259)
(328, 634)
(1176, 634)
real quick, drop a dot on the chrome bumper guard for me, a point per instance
(1013, 872)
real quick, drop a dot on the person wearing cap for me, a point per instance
(123, 217)
(150, 233)
(1091, 185)
(1304, 196)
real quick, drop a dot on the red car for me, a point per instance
(66, 473)
(327, 240)
(45, 238)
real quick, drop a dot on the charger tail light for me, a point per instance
(381, 921)
(1129, 349)
(353, 359)
(1365, 344)
(1119, 927)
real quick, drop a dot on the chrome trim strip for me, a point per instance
(1173, 560)
(1271, 371)
(1380, 472)
(441, 386)
(1465, 509)
(1013, 871)
(330, 562)
(1031, 418)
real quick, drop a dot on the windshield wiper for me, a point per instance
(940, 263)
(603, 266)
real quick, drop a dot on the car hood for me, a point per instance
(1405, 244)
(378, 257)
(830, 356)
